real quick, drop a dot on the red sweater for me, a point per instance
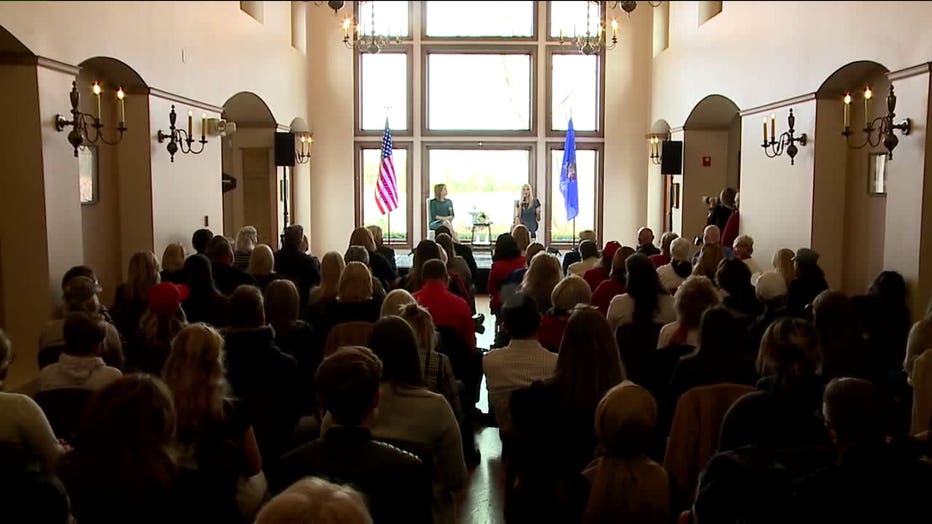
(731, 229)
(605, 293)
(448, 310)
(501, 269)
(659, 260)
(550, 332)
(595, 276)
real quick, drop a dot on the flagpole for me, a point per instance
(574, 232)
(388, 227)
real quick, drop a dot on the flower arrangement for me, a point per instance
(482, 218)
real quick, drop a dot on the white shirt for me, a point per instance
(580, 268)
(512, 367)
(668, 277)
(621, 310)
(77, 372)
(752, 265)
(667, 331)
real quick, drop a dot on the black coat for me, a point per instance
(228, 278)
(300, 268)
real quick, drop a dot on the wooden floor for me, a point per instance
(483, 501)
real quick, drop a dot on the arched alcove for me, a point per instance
(711, 159)
(115, 180)
(848, 220)
(248, 156)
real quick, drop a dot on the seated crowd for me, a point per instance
(628, 384)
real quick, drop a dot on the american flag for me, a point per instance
(386, 187)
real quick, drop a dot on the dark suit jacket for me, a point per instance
(394, 482)
(228, 278)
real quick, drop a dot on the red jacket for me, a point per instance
(550, 332)
(595, 276)
(730, 233)
(604, 294)
(501, 269)
(448, 310)
(659, 260)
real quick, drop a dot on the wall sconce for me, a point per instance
(882, 124)
(302, 154)
(787, 141)
(181, 140)
(656, 147)
(80, 133)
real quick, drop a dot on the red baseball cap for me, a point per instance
(165, 297)
(608, 252)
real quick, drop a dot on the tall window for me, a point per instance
(480, 181)
(395, 224)
(471, 114)
(587, 175)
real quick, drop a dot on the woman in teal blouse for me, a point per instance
(439, 207)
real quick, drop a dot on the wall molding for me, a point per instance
(910, 72)
(165, 95)
(55, 65)
(801, 99)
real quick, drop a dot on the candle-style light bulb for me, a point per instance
(614, 27)
(120, 96)
(847, 98)
(868, 93)
(96, 88)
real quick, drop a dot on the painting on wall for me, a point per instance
(87, 174)
(676, 195)
(877, 174)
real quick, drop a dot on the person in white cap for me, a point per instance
(772, 293)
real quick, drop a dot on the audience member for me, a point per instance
(381, 268)
(445, 308)
(394, 481)
(646, 300)
(615, 285)
(573, 255)
(599, 273)
(438, 372)
(919, 340)
(844, 351)
(680, 267)
(381, 248)
(522, 237)
(692, 299)
(771, 293)
(205, 303)
(566, 295)
(359, 254)
(395, 302)
(199, 241)
(130, 299)
(457, 265)
(886, 316)
(718, 215)
(460, 249)
(707, 261)
(316, 501)
(518, 364)
(80, 296)
(354, 300)
(744, 249)
(533, 249)
(121, 466)
(214, 439)
(293, 336)
(226, 277)
(734, 279)
(541, 277)
(782, 263)
(246, 240)
(173, 264)
(162, 320)
(646, 245)
(295, 264)
(872, 481)
(80, 365)
(664, 257)
(506, 258)
(415, 418)
(589, 252)
(425, 250)
(261, 265)
(260, 374)
(730, 231)
(624, 484)
(808, 282)
(331, 268)
(558, 413)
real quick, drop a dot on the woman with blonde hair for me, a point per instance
(246, 240)
(541, 277)
(559, 413)
(331, 269)
(455, 263)
(527, 210)
(783, 264)
(395, 302)
(262, 265)
(522, 237)
(130, 300)
(214, 436)
(707, 261)
(438, 372)
(173, 264)
(439, 208)
(695, 295)
(566, 295)
(625, 485)
(354, 301)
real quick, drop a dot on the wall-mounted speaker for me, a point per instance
(671, 160)
(284, 149)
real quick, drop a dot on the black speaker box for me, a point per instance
(284, 149)
(671, 160)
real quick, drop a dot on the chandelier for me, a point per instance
(629, 6)
(366, 43)
(590, 43)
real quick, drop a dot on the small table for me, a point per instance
(488, 234)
